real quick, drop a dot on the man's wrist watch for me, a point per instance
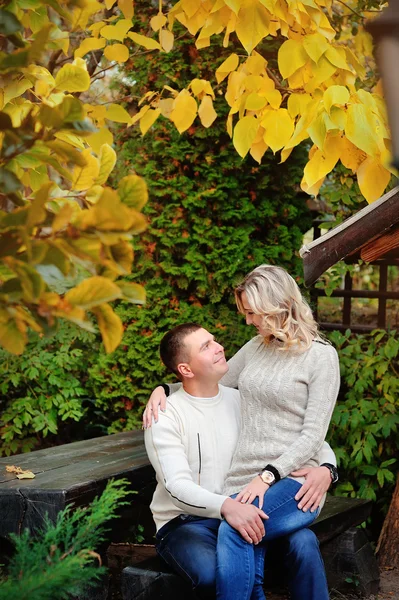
(333, 472)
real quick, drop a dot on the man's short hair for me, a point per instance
(172, 348)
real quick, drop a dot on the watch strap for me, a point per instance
(273, 470)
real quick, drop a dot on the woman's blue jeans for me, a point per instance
(188, 545)
(239, 563)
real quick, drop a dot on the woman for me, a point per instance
(288, 378)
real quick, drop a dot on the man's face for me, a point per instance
(206, 357)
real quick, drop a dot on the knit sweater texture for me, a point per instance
(287, 399)
(191, 448)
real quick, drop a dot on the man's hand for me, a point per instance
(318, 480)
(157, 401)
(246, 519)
(255, 489)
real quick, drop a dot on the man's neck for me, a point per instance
(201, 389)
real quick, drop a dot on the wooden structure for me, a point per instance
(76, 473)
(371, 235)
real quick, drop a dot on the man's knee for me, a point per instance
(302, 544)
(206, 585)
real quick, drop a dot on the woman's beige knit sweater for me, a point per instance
(287, 399)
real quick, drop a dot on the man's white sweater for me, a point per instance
(191, 449)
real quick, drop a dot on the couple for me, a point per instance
(238, 469)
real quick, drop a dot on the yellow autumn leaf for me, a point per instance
(335, 95)
(184, 111)
(315, 45)
(133, 191)
(132, 292)
(244, 134)
(255, 102)
(107, 160)
(139, 115)
(297, 103)
(291, 57)
(279, 128)
(62, 218)
(109, 4)
(88, 45)
(116, 32)
(227, 66)
(372, 178)
(117, 52)
(351, 157)
(149, 119)
(158, 21)
(110, 326)
(96, 140)
(83, 177)
(127, 8)
(72, 78)
(273, 97)
(166, 106)
(117, 113)
(206, 112)
(317, 130)
(322, 162)
(92, 292)
(360, 128)
(15, 89)
(258, 149)
(252, 24)
(145, 41)
(337, 57)
(166, 39)
(314, 189)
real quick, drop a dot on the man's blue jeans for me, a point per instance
(188, 545)
(238, 562)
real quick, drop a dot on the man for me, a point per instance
(191, 447)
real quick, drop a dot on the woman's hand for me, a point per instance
(157, 400)
(256, 489)
(318, 481)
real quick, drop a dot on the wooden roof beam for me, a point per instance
(349, 236)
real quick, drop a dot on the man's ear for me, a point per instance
(185, 370)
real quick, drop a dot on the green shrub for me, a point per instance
(44, 391)
(364, 431)
(60, 560)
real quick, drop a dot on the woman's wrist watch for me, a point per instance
(333, 472)
(269, 475)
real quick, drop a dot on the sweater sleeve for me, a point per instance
(239, 361)
(323, 389)
(167, 454)
(327, 455)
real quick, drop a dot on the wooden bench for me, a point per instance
(75, 473)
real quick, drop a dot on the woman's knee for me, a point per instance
(302, 544)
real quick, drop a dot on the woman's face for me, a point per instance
(251, 318)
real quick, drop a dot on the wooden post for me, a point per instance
(388, 543)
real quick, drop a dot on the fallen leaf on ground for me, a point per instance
(20, 473)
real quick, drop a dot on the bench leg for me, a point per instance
(142, 584)
(350, 555)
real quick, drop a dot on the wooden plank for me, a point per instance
(52, 458)
(339, 242)
(378, 247)
(338, 515)
(382, 303)
(67, 476)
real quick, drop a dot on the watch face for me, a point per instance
(268, 477)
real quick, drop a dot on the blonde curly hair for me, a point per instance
(272, 293)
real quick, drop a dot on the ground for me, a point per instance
(389, 589)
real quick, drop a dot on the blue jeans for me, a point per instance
(188, 546)
(238, 561)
